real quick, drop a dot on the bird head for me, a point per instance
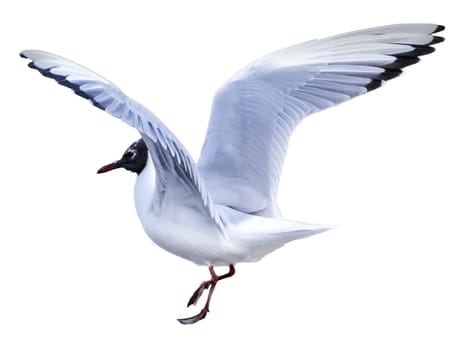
(133, 159)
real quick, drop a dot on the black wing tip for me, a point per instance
(374, 84)
(61, 79)
(420, 50)
(411, 57)
(438, 29)
(389, 74)
(23, 55)
(402, 62)
(406, 59)
(437, 40)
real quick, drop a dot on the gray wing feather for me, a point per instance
(255, 112)
(168, 154)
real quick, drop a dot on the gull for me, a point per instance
(222, 210)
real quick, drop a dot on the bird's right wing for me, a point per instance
(256, 111)
(169, 156)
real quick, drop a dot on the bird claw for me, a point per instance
(198, 293)
(194, 319)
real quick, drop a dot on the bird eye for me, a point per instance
(129, 154)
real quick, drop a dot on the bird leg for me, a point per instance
(205, 285)
(199, 292)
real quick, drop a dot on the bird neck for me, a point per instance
(144, 188)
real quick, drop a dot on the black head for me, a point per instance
(134, 159)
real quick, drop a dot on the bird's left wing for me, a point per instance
(168, 154)
(255, 112)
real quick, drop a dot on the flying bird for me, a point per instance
(222, 210)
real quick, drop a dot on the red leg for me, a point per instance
(212, 283)
(206, 284)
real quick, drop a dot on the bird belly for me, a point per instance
(177, 223)
(188, 234)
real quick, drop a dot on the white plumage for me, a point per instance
(223, 210)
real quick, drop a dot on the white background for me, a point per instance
(78, 272)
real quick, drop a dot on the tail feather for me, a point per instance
(258, 236)
(280, 237)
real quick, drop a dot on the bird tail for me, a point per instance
(261, 235)
(297, 230)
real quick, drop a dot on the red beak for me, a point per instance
(108, 167)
